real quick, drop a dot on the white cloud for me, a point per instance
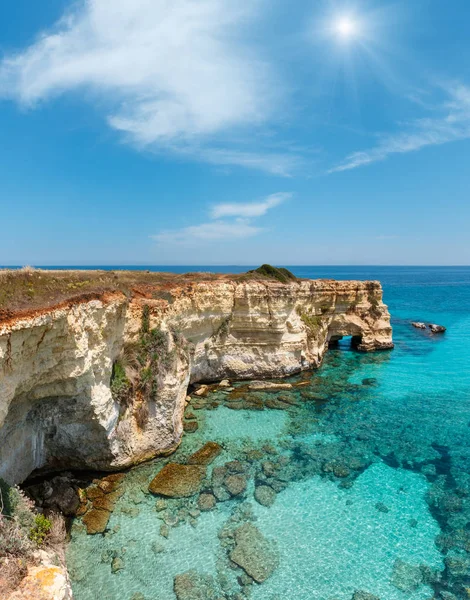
(453, 125)
(171, 73)
(253, 209)
(238, 227)
(208, 232)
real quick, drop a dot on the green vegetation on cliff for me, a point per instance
(280, 273)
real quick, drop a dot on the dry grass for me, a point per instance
(28, 289)
(12, 572)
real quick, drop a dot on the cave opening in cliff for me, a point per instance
(344, 342)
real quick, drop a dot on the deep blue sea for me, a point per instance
(369, 467)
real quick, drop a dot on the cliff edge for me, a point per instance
(95, 375)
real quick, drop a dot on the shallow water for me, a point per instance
(371, 469)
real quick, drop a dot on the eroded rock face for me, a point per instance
(56, 365)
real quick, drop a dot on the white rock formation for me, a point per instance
(56, 407)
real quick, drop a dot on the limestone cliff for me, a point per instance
(56, 405)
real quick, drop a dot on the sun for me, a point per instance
(346, 28)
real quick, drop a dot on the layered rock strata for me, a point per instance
(57, 408)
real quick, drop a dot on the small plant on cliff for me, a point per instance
(120, 384)
(312, 322)
(280, 273)
(136, 373)
(42, 526)
(16, 520)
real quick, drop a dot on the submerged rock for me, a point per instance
(265, 495)
(235, 484)
(190, 426)
(361, 595)
(194, 586)
(269, 385)
(178, 481)
(205, 455)
(406, 577)
(256, 555)
(96, 520)
(206, 502)
(117, 564)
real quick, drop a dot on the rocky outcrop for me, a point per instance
(57, 409)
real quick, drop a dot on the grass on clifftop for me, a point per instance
(28, 289)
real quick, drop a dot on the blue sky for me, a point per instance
(184, 132)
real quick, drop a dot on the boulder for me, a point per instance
(235, 484)
(206, 502)
(269, 385)
(111, 482)
(265, 495)
(225, 383)
(203, 389)
(190, 426)
(419, 325)
(205, 455)
(96, 520)
(194, 586)
(117, 564)
(437, 328)
(256, 555)
(178, 481)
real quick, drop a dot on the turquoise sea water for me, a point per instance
(369, 462)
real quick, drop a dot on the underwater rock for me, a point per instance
(235, 484)
(235, 466)
(160, 505)
(178, 481)
(269, 385)
(206, 502)
(138, 596)
(436, 328)
(96, 520)
(256, 555)
(361, 595)
(419, 325)
(164, 530)
(221, 494)
(458, 565)
(205, 455)
(117, 564)
(218, 476)
(194, 586)
(380, 506)
(110, 483)
(190, 426)
(265, 495)
(269, 468)
(276, 404)
(369, 381)
(406, 577)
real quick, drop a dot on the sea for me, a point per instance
(367, 463)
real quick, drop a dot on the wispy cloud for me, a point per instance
(253, 209)
(452, 125)
(174, 76)
(239, 226)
